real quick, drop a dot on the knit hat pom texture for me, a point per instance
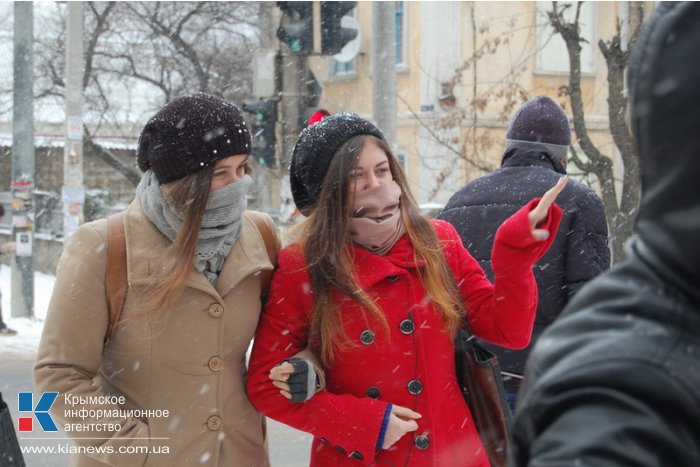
(190, 133)
(315, 149)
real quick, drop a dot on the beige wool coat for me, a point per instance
(191, 363)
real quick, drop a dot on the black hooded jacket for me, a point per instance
(615, 381)
(578, 253)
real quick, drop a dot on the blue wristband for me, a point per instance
(385, 424)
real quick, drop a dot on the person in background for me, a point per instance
(537, 142)
(378, 292)
(614, 380)
(170, 383)
(5, 248)
(10, 452)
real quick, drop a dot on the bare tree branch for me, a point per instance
(440, 140)
(129, 44)
(620, 218)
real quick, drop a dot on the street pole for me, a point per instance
(384, 68)
(265, 85)
(22, 270)
(73, 193)
(292, 76)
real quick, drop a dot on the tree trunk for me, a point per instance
(620, 215)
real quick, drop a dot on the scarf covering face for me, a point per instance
(221, 224)
(376, 224)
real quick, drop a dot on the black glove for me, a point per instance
(302, 383)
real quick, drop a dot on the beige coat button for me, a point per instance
(216, 310)
(216, 363)
(214, 423)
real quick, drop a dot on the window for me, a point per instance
(344, 69)
(552, 56)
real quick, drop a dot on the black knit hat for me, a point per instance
(540, 120)
(315, 149)
(190, 133)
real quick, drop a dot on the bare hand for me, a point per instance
(401, 421)
(539, 214)
(279, 376)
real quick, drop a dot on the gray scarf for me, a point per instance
(221, 225)
(376, 224)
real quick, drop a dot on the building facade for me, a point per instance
(463, 68)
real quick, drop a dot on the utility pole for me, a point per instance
(267, 185)
(296, 33)
(73, 193)
(384, 68)
(22, 271)
(293, 73)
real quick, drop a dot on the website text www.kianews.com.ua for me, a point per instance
(68, 448)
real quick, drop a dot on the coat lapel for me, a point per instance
(372, 268)
(247, 257)
(145, 263)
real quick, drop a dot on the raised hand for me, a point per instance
(401, 421)
(539, 214)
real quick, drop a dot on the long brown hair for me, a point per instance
(330, 265)
(187, 196)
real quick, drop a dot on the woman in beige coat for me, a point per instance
(168, 389)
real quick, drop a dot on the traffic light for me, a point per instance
(311, 97)
(298, 30)
(263, 135)
(333, 35)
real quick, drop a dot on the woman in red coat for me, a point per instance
(378, 292)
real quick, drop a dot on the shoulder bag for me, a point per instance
(479, 377)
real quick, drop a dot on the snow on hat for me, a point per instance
(315, 149)
(190, 133)
(540, 120)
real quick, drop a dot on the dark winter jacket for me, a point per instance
(614, 381)
(579, 251)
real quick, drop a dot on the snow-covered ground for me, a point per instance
(23, 345)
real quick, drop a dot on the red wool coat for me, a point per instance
(412, 366)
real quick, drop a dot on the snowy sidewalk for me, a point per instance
(23, 345)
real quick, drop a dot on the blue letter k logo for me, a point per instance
(41, 411)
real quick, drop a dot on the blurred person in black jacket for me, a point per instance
(10, 452)
(537, 143)
(614, 381)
